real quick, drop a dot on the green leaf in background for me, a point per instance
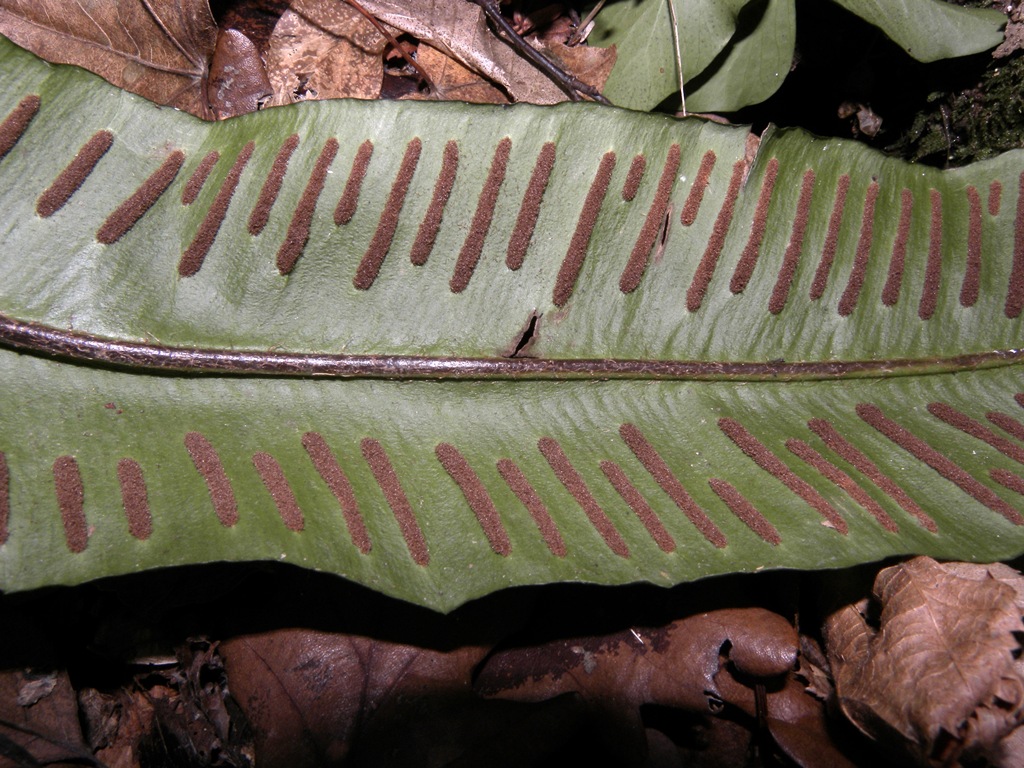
(442, 349)
(930, 30)
(737, 53)
(645, 70)
(754, 63)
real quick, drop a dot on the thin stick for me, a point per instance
(582, 32)
(679, 53)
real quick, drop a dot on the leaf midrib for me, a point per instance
(142, 356)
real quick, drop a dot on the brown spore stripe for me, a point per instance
(74, 174)
(192, 258)
(752, 250)
(759, 453)
(384, 473)
(298, 229)
(706, 268)
(633, 178)
(569, 271)
(898, 260)
(526, 221)
(520, 486)
(68, 480)
(346, 208)
(15, 124)
(1008, 480)
(901, 436)
(134, 498)
(476, 495)
(700, 184)
(128, 213)
(326, 465)
(207, 463)
(427, 233)
(639, 505)
(197, 180)
(1015, 290)
(740, 506)
(971, 286)
(669, 483)
(995, 197)
(380, 244)
(481, 224)
(805, 452)
(848, 301)
(5, 499)
(273, 478)
(573, 481)
(272, 186)
(1006, 423)
(865, 466)
(637, 264)
(933, 267)
(794, 248)
(976, 429)
(828, 250)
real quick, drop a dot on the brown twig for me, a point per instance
(571, 85)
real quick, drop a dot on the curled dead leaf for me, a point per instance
(674, 666)
(938, 675)
(701, 664)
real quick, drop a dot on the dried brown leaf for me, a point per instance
(799, 726)
(588, 63)
(39, 719)
(115, 724)
(309, 694)
(675, 666)
(159, 49)
(703, 664)
(455, 82)
(460, 30)
(324, 50)
(938, 675)
(238, 81)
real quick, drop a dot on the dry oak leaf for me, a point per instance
(159, 49)
(324, 50)
(938, 676)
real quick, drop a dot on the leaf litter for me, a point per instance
(174, 54)
(156, 48)
(938, 673)
(928, 665)
(238, 665)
